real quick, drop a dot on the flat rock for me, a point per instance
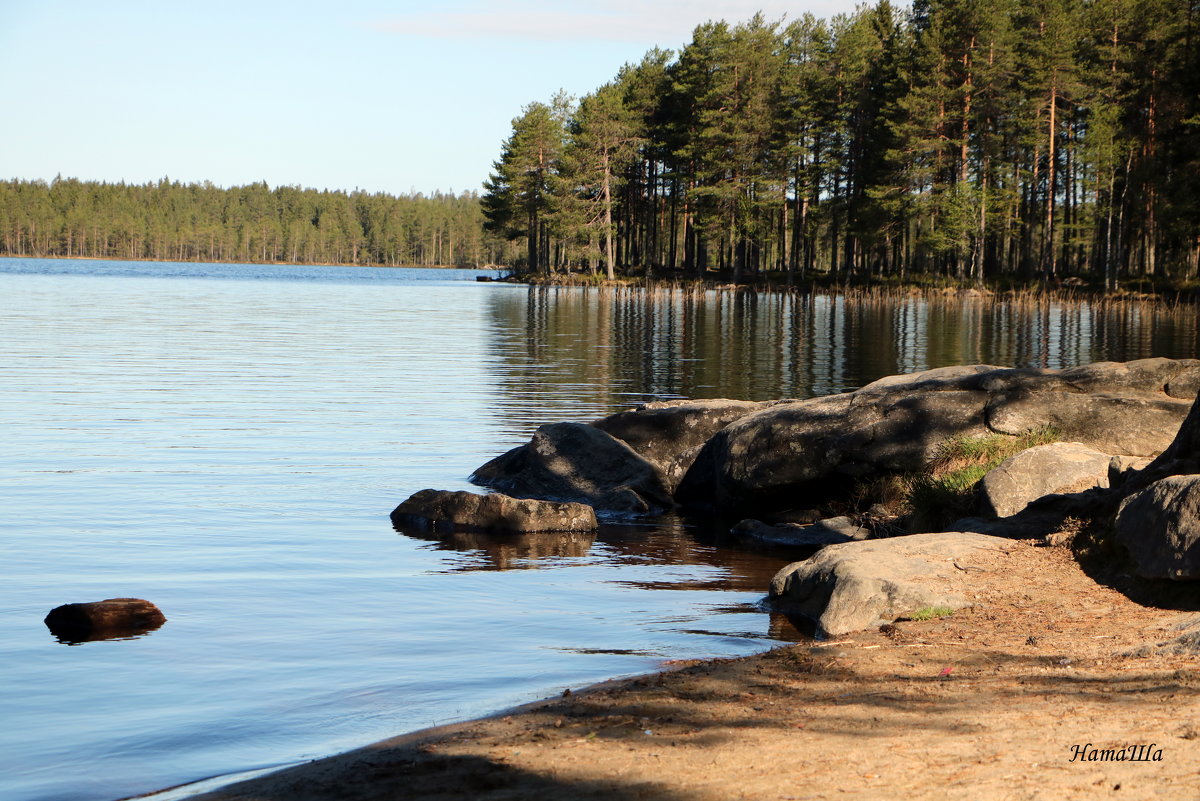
(830, 531)
(580, 463)
(1038, 471)
(111, 618)
(440, 510)
(1160, 527)
(858, 585)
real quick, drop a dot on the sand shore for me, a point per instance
(1020, 697)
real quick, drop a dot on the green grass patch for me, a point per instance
(945, 490)
(931, 612)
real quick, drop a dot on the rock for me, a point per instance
(858, 585)
(440, 510)
(1160, 527)
(798, 452)
(1042, 470)
(1135, 425)
(104, 620)
(669, 434)
(1121, 467)
(831, 531)
(1182, 456)
(579, 462)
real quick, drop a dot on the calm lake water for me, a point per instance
(228, 440)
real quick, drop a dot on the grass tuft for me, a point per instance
(945, 490)
(931, 612)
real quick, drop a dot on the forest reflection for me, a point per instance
(574, 353)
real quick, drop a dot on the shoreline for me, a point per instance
(991, 702)
(868, 288)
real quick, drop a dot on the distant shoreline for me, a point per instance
(264, 263)
(811, 285)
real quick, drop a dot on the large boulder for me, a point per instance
(440, 510)
(857, 585)
(111, 618)
(788, 454)
(1160, 527)
(579, 462)
(1059, 467)
(669, 434)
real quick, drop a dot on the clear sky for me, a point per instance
(383, 96)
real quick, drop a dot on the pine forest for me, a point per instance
(200, 222)
(968, 140)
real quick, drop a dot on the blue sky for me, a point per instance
(383, 96)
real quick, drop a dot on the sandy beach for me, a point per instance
(1031, 694)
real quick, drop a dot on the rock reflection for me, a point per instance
(129, 632)
(668, 542)
(507, 551)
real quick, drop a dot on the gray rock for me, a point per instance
(1182, 456)
(830, 531)
(1135, 424)
(1042, 470)
(1160, 527)
(440, 510)
(1120, 468)
(103, 620)
(669, 434)
(579, 462)
(797, 452)
(858, 585)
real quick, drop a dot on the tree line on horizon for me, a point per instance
(173, 221)
(971, 139)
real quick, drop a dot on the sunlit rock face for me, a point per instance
(580, 463)
(439, 510)
(1058, 467)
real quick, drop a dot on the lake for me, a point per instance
(227, 441)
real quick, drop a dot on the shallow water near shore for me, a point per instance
(228, 440)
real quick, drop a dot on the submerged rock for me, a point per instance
(579, 462)
(440, 510)
(858, 585)
(1059, 467)
(112, 618)
(1160, 527)
(830, 531)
